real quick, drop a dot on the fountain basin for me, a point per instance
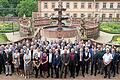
(52, 32)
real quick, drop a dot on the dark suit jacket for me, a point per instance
(52, 57)
(65, 60)
(56, 60)
(75, 60)
(7, 59)
(1, 59)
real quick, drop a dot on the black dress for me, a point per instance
(21, 61)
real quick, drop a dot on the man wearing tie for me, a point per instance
(65, 62)
(50, 67)
(86, 57)
(80, 63)
(56, 63)
(73, 63)
(114, 61)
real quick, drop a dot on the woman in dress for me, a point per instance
(27, 60)
(21, 67)
(36, 64)
(44, 61)
(16, 61)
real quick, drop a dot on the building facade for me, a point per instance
(81, 8)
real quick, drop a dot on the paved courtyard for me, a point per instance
(87, 77)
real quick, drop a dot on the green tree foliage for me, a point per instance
(4, 4)
(26, 7)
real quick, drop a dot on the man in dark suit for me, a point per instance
(1, 61)
(114, 61)
(56, 63)
(86, 56)
(118, 60)
(94, 62)
(80, 63)
(73, 63)
(8, 62)
(65, 62)
(50, 60)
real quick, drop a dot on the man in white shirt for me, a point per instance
(50, 67)
(107, 58)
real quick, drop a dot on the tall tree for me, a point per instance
(4, 5)
(26, 7)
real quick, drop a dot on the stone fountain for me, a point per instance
(77, 27)
(59, 30)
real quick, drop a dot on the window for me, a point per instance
(82, 15)
(104, 5)
(67, 5)
(82, 5)
(110, 16)
(97, 5)
(75, 5)
(111, 5)
(96, 15)
(103, 15)
(117, 15)
(89, 15)
(45, 15)
(89, 5)
(68, 14)
(74, 15)
(118, 6)
(45, 5)
(53, 5)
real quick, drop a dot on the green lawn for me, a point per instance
(3, 38)
(8, 27)
(110, 27)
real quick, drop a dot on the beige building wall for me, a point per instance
(78, 11)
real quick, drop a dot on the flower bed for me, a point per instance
(3, 38)
(113, 28)
(116, 40)
(8, 27)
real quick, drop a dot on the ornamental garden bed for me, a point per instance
(116, 40)
(3, 38)
(8, 27)
(110, 27)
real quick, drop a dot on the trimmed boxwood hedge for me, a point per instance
(7, 27)
(116, 40)
(3, 38)
(113, 28)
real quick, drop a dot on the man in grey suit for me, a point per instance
(65, 63)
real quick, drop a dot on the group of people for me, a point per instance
(59, 58)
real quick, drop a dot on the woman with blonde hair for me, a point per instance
(16, 61)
